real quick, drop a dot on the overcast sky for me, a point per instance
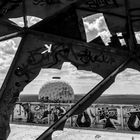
(81, 81)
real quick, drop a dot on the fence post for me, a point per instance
(49, 113)
(121, 113)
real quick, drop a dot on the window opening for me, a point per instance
(95, 26)
(7, 52)
(137, 35)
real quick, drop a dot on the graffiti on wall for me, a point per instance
(86, 119)
(84, 55)
(101, 3)
(131, 117)
(40, 113)
(45, 2)
(57, 111)
(8, 5)
(126, 117)
(20, 114)
(99, 117)
(108, 117)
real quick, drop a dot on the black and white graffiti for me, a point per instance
(96, 116)
(101, 3)
(108, 117)
(8, 5)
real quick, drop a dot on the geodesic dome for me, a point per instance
(56, 91)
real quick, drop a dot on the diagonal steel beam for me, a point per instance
(25, 15)
(3, 87)
(83, 103)
(10, 24)
(11, 36)
(74, 5)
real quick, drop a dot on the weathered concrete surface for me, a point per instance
(28, 132)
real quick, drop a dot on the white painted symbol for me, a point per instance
(47, 48)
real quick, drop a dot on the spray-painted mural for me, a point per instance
(57, 110)
(109, 117)
(131, 117)
(20, 114)
(39, 113)
(119, 117)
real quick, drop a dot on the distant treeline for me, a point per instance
(47, 100)
(104, 99)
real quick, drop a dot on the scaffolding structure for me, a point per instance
(60, 37)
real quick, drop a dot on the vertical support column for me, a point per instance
(25, 14)
(49, 114)
(121, 113)
(131, 35)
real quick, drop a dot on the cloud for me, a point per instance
(130, 75)
(95, 26)
(7, 51)
(105, 35)
(19, 21)
(83, 81)
(8, 47)
(101, 24)
(90, 27)
(68, 71)
(31, 20)
(97, 23)
(137, 34)
(127, 82)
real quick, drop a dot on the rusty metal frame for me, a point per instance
(90, 97)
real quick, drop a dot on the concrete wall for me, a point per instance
(109, 116)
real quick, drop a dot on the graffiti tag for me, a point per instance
(45, 2)
(101, 3)
(87, 56)
(48, 48)
(8, 5)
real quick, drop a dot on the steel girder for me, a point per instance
(60, 28)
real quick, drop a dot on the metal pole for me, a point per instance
(131, 35)
(11, 36)
(122, 122)
(82, 104)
